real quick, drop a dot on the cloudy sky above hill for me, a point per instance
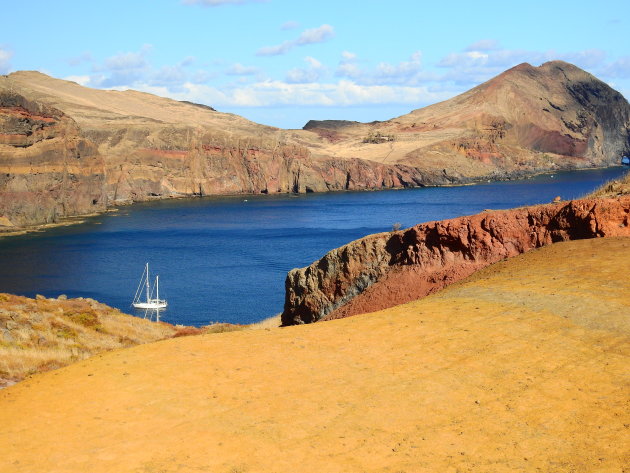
(282, 62)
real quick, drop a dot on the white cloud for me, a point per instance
(126, 69)
(314, 72)
(169, 75)
(619, 69)
(275, 50)
(238, 69)
(409, 73)
(187, 61)
(348, 66)
(310, 36)
(278, 93)
(5, 60)
(316, 35)
(405, 72)
(81, 80)
(85, 57)
(128, 60)
(589, 58)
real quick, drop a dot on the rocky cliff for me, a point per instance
(387, 269)
(47, 169)
(69, 150)
(74, 150)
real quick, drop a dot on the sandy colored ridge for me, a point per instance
(522, 367)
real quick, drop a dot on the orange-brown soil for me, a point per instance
(521, 368)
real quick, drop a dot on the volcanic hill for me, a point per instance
(69, 150)
(555, 116)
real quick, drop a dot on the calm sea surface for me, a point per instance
(225, 259)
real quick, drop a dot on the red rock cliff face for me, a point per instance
(47, 170)
(387, 269)
(187, 161)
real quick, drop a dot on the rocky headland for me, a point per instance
(527, 119)
(387, 269)
(69, 150)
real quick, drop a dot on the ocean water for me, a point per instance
(225, 258)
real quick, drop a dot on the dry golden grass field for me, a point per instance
(42, 334)
(522, 367)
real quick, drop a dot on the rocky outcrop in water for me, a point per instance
(387, 269)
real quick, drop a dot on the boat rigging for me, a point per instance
(151, 303)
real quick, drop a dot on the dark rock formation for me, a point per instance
(387, 269)
(47, 170)
(328, 124)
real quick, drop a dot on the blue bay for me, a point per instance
(225, 258)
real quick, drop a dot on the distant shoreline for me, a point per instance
(79, 219)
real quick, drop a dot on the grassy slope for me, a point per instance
(42, 334)
(523, 367)
(614, 188)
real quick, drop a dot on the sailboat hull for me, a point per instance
(150, 305)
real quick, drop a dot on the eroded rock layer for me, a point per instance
(387, 269)
(47, 170)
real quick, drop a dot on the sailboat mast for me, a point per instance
(157, 288)
(148, 298)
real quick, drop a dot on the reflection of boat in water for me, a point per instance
(150, 303)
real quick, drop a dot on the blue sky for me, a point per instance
(282, 62)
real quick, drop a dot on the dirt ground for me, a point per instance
(522, 367)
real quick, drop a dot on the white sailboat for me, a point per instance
(150, 302)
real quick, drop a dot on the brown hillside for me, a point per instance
(151, 147)
(522, 368)
(555, 116)
(69, 150)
